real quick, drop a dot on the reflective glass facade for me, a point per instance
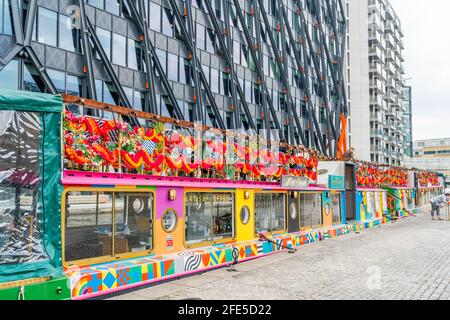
(253, 64)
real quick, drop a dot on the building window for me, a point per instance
(270, 212)
(9, 76)
(210, 41)
(47, 26)
(236, 52)
(94, 219)
(135, 60)
(119, 49)
(69, 35)
(162, 57)
(167, 22)
(73, 85)
(214, 83)
(200, 36)
(5, 17)
(104, 37)
(155, 17)
(226, 84)
(209, 217)
(59, 79)
(172, 67)
(310, 210)
(113, 6)
(32, 80)
(96, 3)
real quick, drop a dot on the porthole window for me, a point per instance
(138, 205)
(169, 220)
(245, 215)
(293, 211)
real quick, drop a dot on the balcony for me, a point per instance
(376, 101)
(377, 54)
(376, 148)
(376, 117)
(376, 133)
(376, 85)
(376, 69)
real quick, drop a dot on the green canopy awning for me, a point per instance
(29, 101)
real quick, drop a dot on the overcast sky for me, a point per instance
(426, 25)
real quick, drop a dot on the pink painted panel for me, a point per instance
(115, 179)
(163, 203)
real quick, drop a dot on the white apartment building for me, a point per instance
(377, 79)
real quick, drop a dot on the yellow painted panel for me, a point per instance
(247, 231)
(166, 243)
(380, 198)
(327, 217)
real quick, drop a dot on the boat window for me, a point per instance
(133, 221)
(209, 217)
(106, 224)
(310, 210)
(270, 212)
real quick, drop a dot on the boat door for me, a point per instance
(350, 191)
(293, 212)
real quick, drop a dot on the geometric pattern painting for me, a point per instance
(106, 278)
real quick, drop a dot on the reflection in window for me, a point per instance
(69, 35)
(209, 216)
(73, 85)
(155, 16)
(104, 37)
(210, 41)
(59, 79)
(310, 210)
(119, 49)
(47, 26)
(139, 100)
(133, 222)
(113, 6)
(88, 225)
(172, 67)
(162, 57)
(9, 76)
(32, 80)
(336, 207)
(167, 22)
(5, 17)
(129, 93)
(226, 84)
(96, 3)
(214, 83)
(135, 60)
(200, 36)
(186, 72)
(270, 212)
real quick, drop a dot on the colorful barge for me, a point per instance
(94, 205)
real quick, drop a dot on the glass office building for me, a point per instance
(252, 64)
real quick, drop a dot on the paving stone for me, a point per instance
(405, 260)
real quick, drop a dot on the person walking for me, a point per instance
(437, 203)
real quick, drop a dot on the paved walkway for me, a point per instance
(406, 260)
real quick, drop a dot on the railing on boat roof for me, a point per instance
(115, 139)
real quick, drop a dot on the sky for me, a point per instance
(426, 27)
